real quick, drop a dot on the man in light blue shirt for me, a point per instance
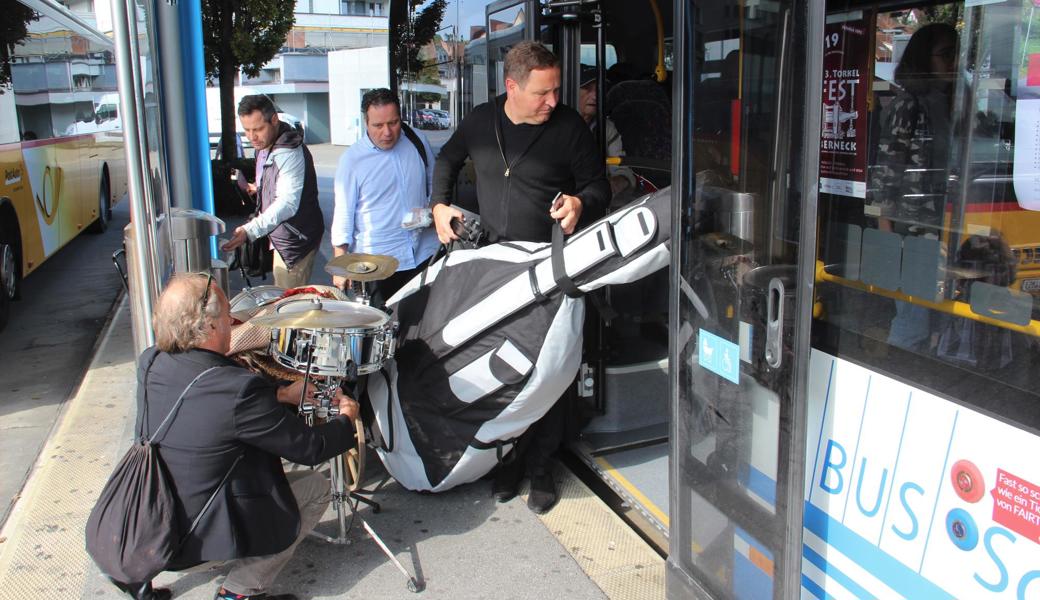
(379, 181)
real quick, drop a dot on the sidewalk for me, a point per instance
(461, 543)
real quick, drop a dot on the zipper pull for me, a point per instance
(507, 171)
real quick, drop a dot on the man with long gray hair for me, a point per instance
(235, 423)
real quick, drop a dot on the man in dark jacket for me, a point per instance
(263, 513)
(287, 191)
(526, 149)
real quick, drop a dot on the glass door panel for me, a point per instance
(741, 304)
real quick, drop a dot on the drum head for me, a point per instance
(245, 303)
(333, 314)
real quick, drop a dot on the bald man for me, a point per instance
(230, 412)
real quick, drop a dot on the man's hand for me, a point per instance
(442, 216)
(236, 240)
(251, 188)
(566, 210)
(347, 405)
(340, 282)
(290, 394)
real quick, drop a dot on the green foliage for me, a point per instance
(241, 34)
(409, 37)
(14, 28)
(258, 29)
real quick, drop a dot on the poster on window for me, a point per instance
(843, 137)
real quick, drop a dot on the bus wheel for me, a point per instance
(8, 280)
(104, 208)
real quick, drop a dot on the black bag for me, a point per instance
(255, 258)
(132, 531)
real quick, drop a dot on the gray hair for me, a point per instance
(180, 321)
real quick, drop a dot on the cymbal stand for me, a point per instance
(358, 292)
(325, 407)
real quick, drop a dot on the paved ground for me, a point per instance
(48, 343)
(461, 544)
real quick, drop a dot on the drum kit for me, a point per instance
(332, 343)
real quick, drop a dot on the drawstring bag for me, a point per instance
(131, 532)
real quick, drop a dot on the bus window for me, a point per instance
(930, 214)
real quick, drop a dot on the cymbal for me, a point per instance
(326, 314)
(362, 267)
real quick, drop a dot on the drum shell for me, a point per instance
(334, 349)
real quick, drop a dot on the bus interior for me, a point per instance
(740, 230)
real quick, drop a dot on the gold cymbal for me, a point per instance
(325, 314)
(362, 267)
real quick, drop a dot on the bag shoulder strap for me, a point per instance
(414, 139)
(176, 406)
(212, 497)
(559, 270)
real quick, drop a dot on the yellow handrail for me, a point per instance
(660, 74)
(950, 307)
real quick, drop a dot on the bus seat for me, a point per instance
(636, 89)
(646, 132)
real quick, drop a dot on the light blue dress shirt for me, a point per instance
(374, 191)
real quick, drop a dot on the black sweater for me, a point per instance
(557, 156)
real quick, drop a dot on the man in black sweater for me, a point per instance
(526, 149)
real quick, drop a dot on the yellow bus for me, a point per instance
(61, 141)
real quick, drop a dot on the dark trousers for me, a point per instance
(382, 290)
(541, 440)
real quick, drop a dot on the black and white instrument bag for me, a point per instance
(488, 341)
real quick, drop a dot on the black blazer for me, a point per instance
(229, 412)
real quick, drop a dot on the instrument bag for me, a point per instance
(490, 338)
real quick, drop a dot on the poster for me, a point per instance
(843, 136)
(909, 495)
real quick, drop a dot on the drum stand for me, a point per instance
(341, 492)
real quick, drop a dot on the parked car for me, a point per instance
(428, 118)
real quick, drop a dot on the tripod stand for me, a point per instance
(346, 495)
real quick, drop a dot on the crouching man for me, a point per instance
(263, 513)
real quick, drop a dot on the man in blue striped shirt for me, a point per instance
(379, 181)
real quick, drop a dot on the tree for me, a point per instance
(241, 34)
(13, 31)
(410, 35)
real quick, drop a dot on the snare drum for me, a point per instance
(246, 303)
(333, 351)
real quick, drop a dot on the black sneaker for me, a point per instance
(507, 481)
(543, 493)
(223, 594)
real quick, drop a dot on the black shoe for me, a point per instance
(507, 482)
(223, 594)
(543, 493)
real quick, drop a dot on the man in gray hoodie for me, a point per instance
(287, 193)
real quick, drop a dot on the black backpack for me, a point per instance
(132, 530)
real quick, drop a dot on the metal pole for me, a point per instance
(123, 14)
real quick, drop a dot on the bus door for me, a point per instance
(921, 478)
(508, 22)
(744, 125)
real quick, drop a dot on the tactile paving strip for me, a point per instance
(42, 554)
(605, 547)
